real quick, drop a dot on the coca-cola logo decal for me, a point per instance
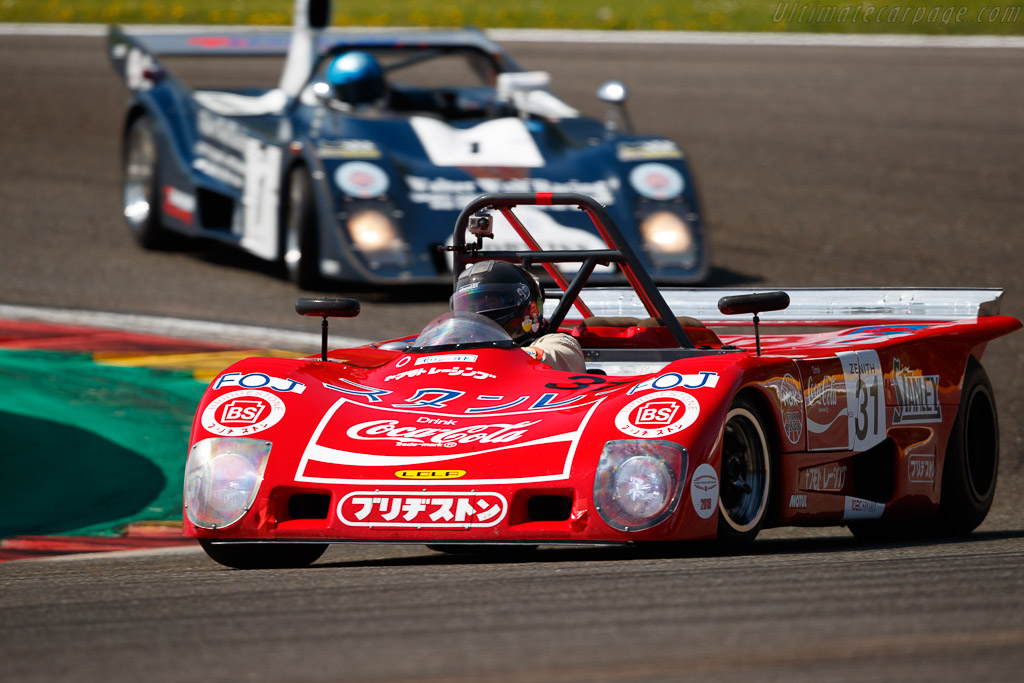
(432, 435)
(360, 443)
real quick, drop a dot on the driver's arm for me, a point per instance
(560, 351)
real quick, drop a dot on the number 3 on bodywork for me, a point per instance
(865, 396)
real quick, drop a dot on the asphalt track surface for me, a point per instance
(818, 167)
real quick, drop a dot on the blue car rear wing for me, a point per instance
(136, 51)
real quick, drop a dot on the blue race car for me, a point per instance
(355, 167)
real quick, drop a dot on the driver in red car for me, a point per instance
(510, 296)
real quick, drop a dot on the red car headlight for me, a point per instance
(222, 477)
(637, 482)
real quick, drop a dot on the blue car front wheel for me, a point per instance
(301, 243)
(142, 185)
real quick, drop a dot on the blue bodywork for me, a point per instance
(226, 158)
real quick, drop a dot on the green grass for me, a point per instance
(990, 17)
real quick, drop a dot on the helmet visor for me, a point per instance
(483, 298)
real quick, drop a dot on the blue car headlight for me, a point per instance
(669, 239)
(222, 477)
(637, 482)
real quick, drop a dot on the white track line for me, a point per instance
(513, 35)
(244, 335)
(115, 554)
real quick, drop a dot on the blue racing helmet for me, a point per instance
(356, 78)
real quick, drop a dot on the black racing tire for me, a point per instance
(969, 472)
(746, 480)
(971, 466)
(301, 237)
(263, 555)
(141, 185)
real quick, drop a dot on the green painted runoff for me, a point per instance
(87, 448)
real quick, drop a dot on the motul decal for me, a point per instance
(242, 412)
(658, 414)
(437, 509)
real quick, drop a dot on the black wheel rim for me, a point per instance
(744, 489)
(140, 158)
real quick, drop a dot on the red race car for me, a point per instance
(876, 414)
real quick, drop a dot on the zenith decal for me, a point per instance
(442, 509)
(258, 380)
(917, 396)
(656, 415)
(242, 412)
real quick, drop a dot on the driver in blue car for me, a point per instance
(357, 81)
(512, 297)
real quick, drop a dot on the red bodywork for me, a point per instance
(487, 444)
